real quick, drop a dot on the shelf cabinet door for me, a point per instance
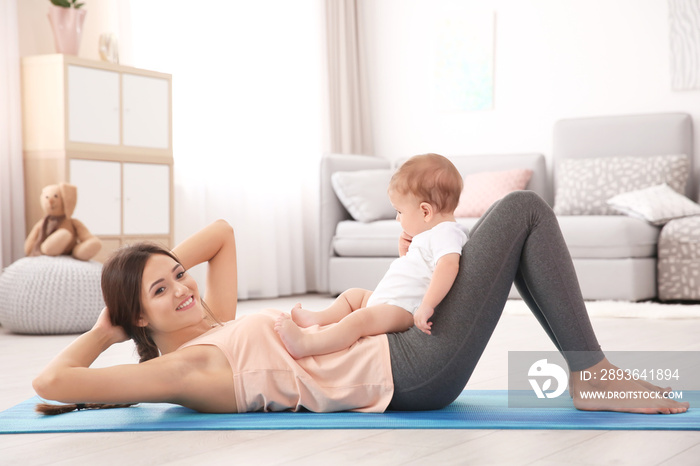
(146, 116)
(146, 199)
(99, 195)
(93, 105)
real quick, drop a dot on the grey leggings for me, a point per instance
(517, 240)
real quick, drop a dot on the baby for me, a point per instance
(424, 191)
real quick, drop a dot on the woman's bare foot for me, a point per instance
(622, 395)
(292, 336)
(643, 383)
(652, 387)
(303, 317)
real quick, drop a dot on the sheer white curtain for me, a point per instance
(247, 126)
(348, 95)
(11, 173)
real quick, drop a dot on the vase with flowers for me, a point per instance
(66, 18)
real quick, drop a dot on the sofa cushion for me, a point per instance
(374, 239)
(593, 237)
(538, 182)
(608, 236)
(364, 193)
(483, 189)
(584, 185)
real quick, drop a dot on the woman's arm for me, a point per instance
(68, 378)
(198, 377)
(215, 244)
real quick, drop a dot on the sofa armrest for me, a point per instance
(332, 211)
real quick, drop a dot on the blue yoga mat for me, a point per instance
(474, 409)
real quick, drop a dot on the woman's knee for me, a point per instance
(526, 200)
(523, 196)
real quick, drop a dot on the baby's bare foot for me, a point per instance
(303, 317)
(291, 335)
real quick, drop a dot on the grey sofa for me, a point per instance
(614, 255)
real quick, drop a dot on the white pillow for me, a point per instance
(657, 204)
(364, 193)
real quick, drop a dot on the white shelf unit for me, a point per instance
(108, 130)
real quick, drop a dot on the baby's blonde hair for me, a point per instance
(431, 178)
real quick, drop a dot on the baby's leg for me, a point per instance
(374, 320)
(348, 301)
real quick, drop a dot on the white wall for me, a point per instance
(554, 59)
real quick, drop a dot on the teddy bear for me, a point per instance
(58, 233)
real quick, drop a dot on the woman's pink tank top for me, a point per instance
(267, 378)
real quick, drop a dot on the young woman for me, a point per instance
(242, 365)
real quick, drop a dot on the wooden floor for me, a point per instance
(21, 357)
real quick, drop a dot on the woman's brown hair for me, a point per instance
(122, 275)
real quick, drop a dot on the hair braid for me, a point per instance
(145, 346)
(51, 409)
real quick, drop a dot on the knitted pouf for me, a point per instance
(50, 295)
(679, 260)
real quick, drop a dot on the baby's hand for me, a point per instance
(421, 316)
(404, 243)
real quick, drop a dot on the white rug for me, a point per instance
(623, 309)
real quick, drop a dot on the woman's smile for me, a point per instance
(186, 304)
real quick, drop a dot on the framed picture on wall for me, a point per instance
(464, 61)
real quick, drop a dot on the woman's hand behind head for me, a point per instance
(115, 333)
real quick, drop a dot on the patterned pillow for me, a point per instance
(657, 205)
(483, 189)
(584, 185)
